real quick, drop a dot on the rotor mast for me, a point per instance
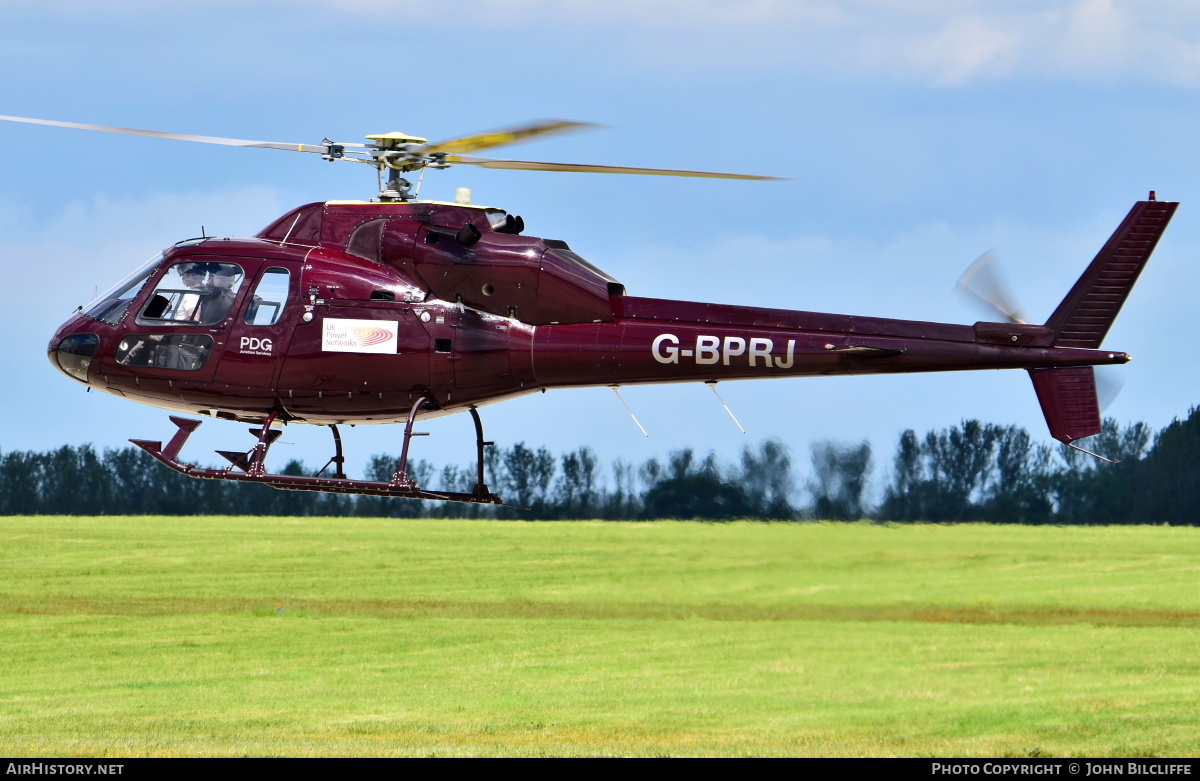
(396, 153)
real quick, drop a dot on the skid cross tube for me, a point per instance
(481, 488)
(258, 466)
(401, 478)
(338, 461)
(168, 457)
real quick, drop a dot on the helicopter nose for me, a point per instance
(73, 355)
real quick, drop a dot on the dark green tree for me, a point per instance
(839, 480)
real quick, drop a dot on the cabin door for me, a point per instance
(257, 335)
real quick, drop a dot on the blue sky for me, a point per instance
(915, 136)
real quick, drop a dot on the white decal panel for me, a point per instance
(360, 336)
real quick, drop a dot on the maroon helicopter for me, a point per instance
(397, 309)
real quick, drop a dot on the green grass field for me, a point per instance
(221, 636)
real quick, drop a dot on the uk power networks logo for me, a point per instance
(360, 336)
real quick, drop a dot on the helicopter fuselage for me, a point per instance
(345, 312)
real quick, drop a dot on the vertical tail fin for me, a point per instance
(1068, 396)
(1068, 399)
(1085, 315)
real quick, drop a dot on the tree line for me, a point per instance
(974, 471)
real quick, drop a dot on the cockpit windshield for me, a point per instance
(112, 306)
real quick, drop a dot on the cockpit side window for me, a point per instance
(270, 297)
(193, 293)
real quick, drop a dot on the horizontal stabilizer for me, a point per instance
(1085, 315)
(1069, 402)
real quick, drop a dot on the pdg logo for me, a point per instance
(255, 344)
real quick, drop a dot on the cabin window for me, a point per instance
(266, 306)
(365, 241)
(194, 293)
(185, 352)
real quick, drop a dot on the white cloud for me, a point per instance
(1096, 38)
(941, 42)
(938, 42)
(1080, 40)
(965, 49)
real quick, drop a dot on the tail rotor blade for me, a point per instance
(981, 282)
(1109, 383)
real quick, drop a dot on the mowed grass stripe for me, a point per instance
(1050, 615)
(198, 685)
(751, 565)
(163, 637)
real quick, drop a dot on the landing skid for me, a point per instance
(253, 469)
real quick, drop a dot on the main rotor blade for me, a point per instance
(529, 165)
(318, 148)
(474, 143)
(981, 281)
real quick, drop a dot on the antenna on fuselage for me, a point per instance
(616, 390)
(712, 384)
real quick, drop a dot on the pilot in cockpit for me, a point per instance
(187, 306)
(215, 306)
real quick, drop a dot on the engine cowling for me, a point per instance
(536, 281)
(459, 254)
